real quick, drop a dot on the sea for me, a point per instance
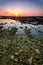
(35, 30)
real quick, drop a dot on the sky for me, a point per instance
(21, 7)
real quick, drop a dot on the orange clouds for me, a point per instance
(5, 13)
(9, 12)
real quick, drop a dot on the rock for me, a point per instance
(30, 60)
(16, 53)
(12, 56)
(1, 27)
(37, 51)
(16, 59)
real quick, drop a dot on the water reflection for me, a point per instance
(35, 30)
(9, 21)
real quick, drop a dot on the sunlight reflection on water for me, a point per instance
(9, 21)
(36, 30)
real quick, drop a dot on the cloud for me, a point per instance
(10, 12)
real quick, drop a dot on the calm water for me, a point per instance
(36, 30)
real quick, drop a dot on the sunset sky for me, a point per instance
(21, 7)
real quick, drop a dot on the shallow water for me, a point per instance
(35, 30)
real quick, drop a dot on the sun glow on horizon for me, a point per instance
(13, 12)
(16, 13)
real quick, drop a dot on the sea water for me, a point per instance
(35, 30)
